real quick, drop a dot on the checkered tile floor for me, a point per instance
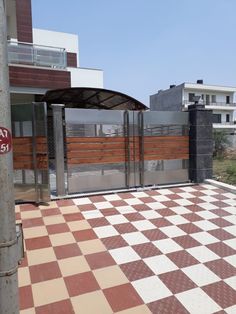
(161, 251)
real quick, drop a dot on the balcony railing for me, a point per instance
(187, 102)
(36, 55)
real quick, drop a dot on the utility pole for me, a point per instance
(8, 238)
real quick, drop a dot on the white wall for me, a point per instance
(86, 77)
(220, 96)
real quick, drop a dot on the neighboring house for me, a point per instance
(40, 60)
(218, 98)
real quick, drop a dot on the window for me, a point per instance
(216, 118)
(227, 99)
(213, 98)
(207, 99)
(203, 96)
(227, 117)
(191, 97)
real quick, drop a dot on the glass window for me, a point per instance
(227, 99)
(191, 97)
(213, 98)
(227, 117)
(216, 118)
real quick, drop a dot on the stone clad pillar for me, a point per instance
(200, 143)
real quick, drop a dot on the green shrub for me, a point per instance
(231, 171)
(220, 143)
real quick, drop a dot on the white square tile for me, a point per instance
(230, 210)
(183, 202)
(202, 254)
(112, 197)
(177, 219)
(197, 301)
(180, 210)
(90, 214)
(150, 214)
(155, 205)
(188, 189)
(230, 310)
(142, 225)
(165, 191)
(161, 198)
(207, 206)
(208, 186)
(133, 201)
(205, 225)
(116, 219)
(231, 230)
(160, 264)
(209, 192)
(200, 275)
(204, 237)
(82, 201)
(186, 195)
(205, 214)
(208, 199)
(230, 195)
(231, 202)
(231, 243)
(231, 260)
(105, 231)
(172, 231)
(167, 245)
(125, 209)
(133, 238)
(231, 218)
(124, 255)
(151, 289)
(103, 205)
(231, 282)
(139, 194)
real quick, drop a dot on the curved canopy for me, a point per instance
(93, 98)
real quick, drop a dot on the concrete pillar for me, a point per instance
(200, 143)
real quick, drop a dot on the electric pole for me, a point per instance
(8, 238)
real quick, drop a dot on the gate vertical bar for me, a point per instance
(59, 148)
(127, 148)
(141, 147)
(34, 147)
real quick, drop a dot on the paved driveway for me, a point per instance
(159, 251)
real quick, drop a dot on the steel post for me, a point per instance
(8, 240)
(59, 148)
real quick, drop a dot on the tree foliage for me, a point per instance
(220, 143)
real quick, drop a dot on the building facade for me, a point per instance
(40, 60)
(218, 98)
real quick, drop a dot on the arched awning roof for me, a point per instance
(93, 98)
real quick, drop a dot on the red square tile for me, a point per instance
(147, 199)
(125, 228)
(87, 207)
(192, 217)
(61, 307)
(100, 260)
(37, 243)
(84, 235)
(221, 249)
(194, 208)
(166, 212)
(219, 212)
(17, 216)
(152, 192)
(189, 228)
(169, 204)
(66, 251)
(160, 222)
(97, 199)
(118, 203)
(220, 204)
(176, 281)
(182, 259)
(136, 270)
(198, 194)
(122, 297)
(186, 241)
(26, 297)
(43, 272)
(114, 242)
(220, 196)
(51, 212)
(24, 261)
(154, 234)
(28, 207)
(73, 217)
(146, 250)
(125, 196)
(168, 305)
(62, 203)
(58, 228)
(109, 211)
(81, 283)
(176, 190)
(221, 222)
(221, 234)
(173, 197)
(221, 268)
(221, 293)
(33, 222)
(141, 207)
(98, 222)
(134, 216)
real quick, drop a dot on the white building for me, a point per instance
(40, 60)
(218, 98)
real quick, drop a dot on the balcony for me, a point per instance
(36, 55)
(186, 103)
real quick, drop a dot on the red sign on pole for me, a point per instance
(5, 141)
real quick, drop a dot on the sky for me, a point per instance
(147, 45)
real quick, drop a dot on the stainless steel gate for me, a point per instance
(122, 149)
(30, 152)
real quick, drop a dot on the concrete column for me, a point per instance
(59, 148)
(200, 143)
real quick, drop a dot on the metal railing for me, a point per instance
(36, 55)
(210, 103)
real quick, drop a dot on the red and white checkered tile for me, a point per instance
(159, 251)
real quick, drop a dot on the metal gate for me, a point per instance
(30, 152)
(122, 149)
